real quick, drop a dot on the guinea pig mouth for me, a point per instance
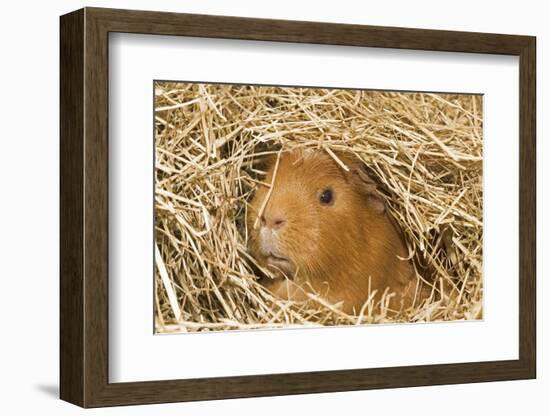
(279, 262)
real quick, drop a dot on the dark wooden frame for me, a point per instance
(84, 208)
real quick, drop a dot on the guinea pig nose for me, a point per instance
(276, 222)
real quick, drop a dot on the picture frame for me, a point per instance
(84, 216)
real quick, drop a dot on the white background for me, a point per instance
(132, 346)
(29, 209)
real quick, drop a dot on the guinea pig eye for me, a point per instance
(326, 197)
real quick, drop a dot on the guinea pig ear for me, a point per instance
(360, 178)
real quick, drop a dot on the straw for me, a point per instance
(424, 150)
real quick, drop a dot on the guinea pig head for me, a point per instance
(313, 218)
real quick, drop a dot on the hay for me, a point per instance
(424, 149)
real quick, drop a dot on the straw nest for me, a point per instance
(424, 149)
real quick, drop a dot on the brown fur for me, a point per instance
(332, 250)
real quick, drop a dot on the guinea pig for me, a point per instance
(323, 228)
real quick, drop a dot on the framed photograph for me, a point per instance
(255, 207)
